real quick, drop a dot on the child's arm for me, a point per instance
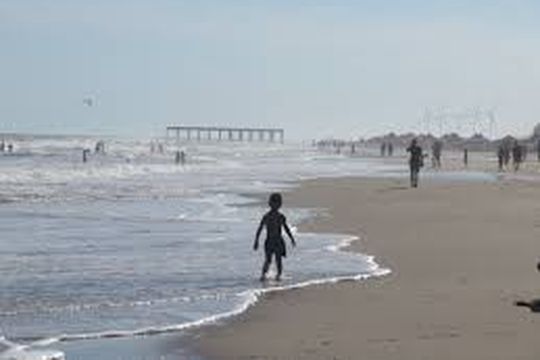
(288, 231)
(258, 234)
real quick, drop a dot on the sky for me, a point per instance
(317, 68)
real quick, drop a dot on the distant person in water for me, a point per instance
(85, 154)
(517, 155)
(416, 161)
(274, 245)
(100, 147)
(180, 157)
(2, 146)
(10, 148)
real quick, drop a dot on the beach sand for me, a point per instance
(461, 254)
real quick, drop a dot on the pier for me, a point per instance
(214, 133)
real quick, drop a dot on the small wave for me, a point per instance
(249, 298)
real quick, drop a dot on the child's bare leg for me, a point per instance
(266, 266)
(279, 266)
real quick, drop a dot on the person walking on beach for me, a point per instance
(500, 157)
(416, 161)
(436, 149)
(517, 155)
(274, 245)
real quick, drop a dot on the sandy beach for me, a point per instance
(461, 254)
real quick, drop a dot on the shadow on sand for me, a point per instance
(533, 305)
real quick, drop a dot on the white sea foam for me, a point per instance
(148, 242)
(248, 299)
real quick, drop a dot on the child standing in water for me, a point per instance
(274, 244)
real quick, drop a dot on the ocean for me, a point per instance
(130, 245)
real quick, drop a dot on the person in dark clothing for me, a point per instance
(500, 157)
(274, 245)
(437, 151)
(466, 157)
(517, 155)
(383, 149)
(390, 149)
(538, 149)
(85, 154)
(416, 161)
(180, 157)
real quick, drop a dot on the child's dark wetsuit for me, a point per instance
(274, 244)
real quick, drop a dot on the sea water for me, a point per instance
(131, 244)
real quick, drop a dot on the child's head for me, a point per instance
(275, 201)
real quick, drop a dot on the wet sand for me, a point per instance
(461, 255)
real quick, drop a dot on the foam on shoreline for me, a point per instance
(249, 299)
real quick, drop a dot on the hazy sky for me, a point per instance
(317, 68)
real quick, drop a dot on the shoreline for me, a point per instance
(298, 314)
(253, 296)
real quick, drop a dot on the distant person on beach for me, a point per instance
(383, 149)
(274, 245)
(416, 161)
(466, 157)
(436, 149)
(500, 157)
(538, 149)
(517, 155)
(390, 149)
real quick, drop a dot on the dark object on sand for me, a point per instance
(533, 305)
